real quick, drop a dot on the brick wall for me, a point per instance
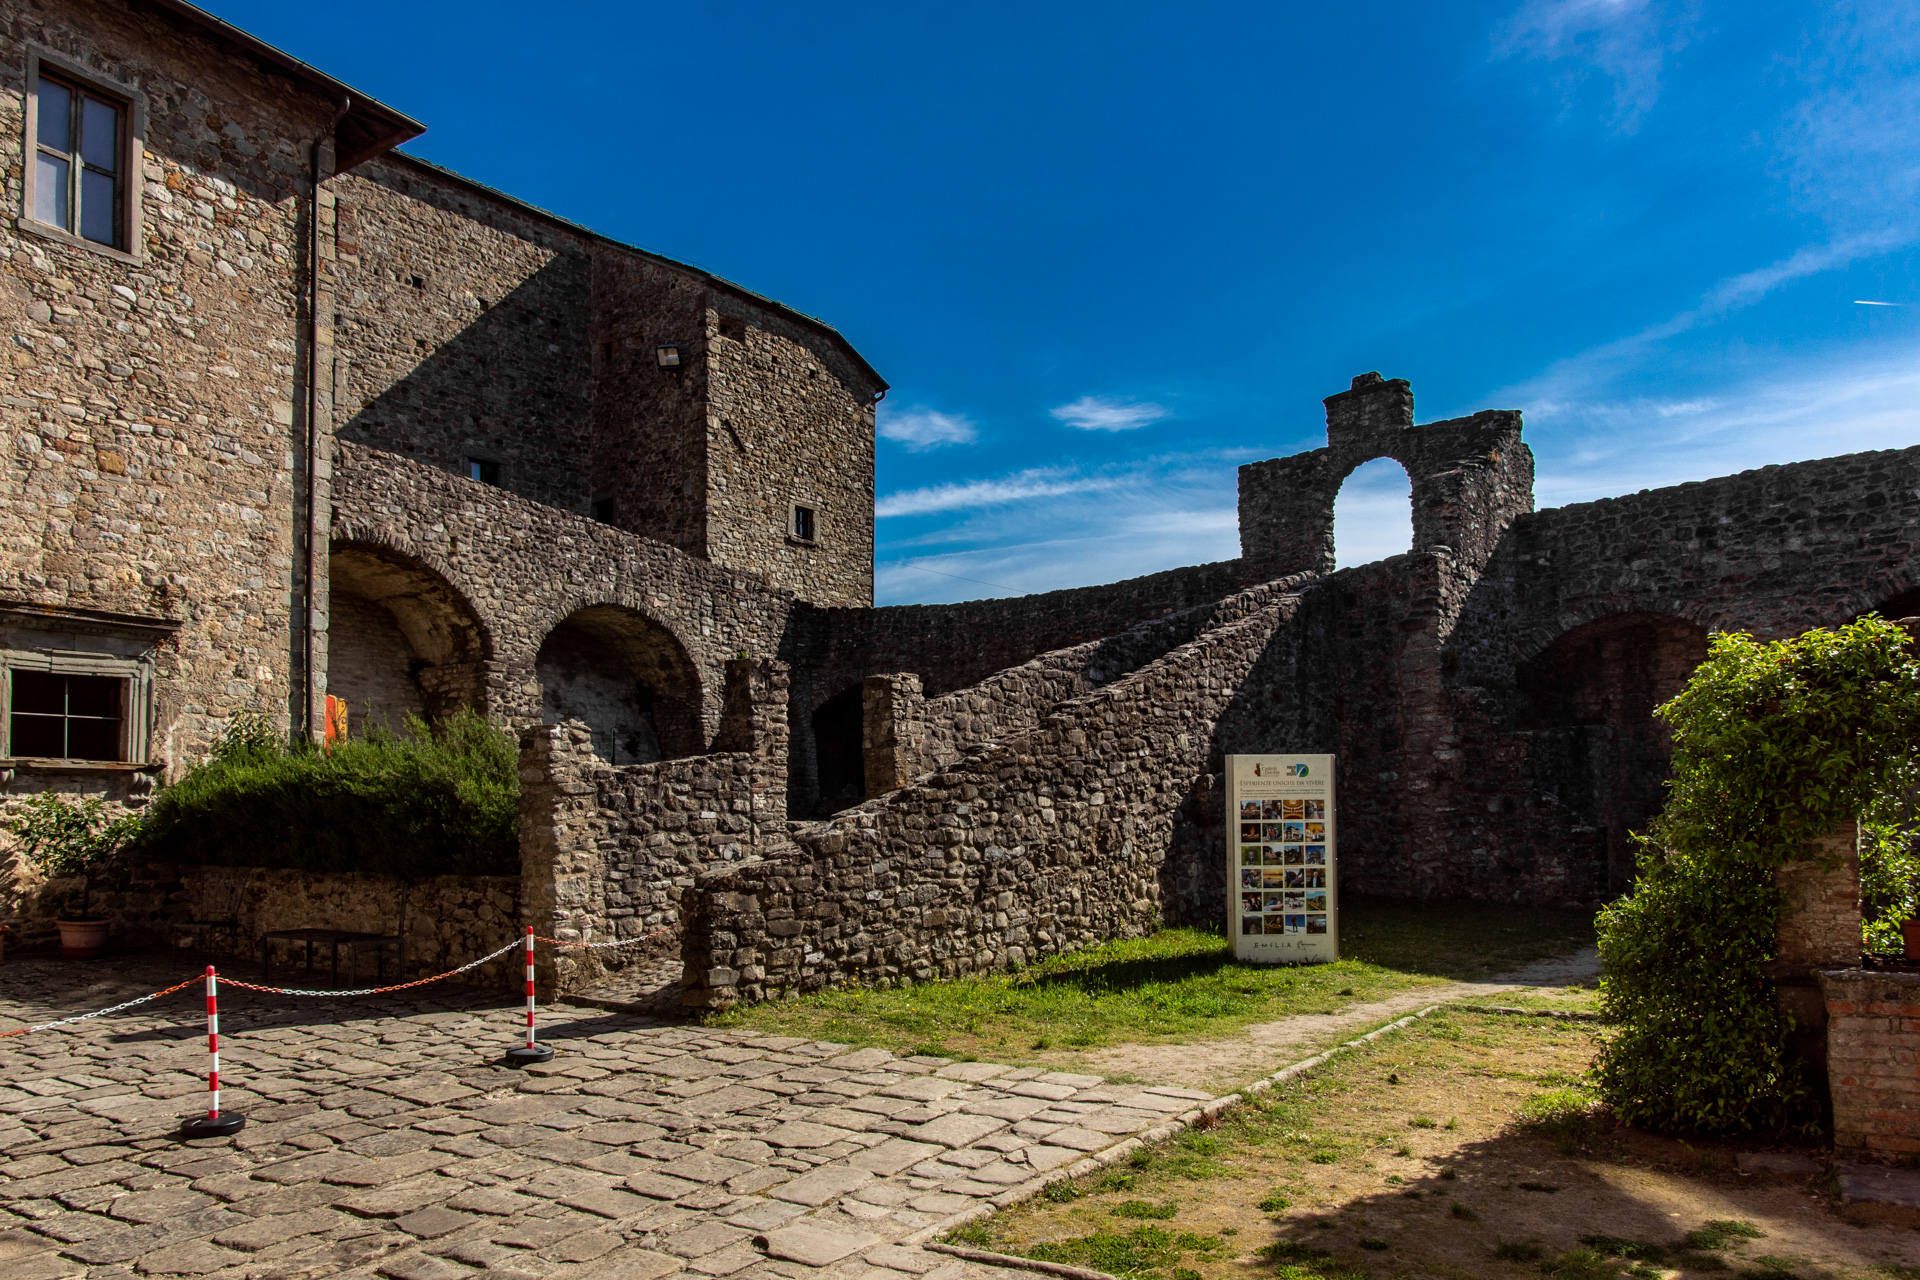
(1873, 1062)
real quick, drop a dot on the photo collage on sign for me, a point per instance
(1283, 866)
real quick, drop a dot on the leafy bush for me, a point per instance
(1774, 745)
(62, 840)
(439, 800)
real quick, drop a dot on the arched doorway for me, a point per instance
(400, 640)
(1590, 697)
(628, 679)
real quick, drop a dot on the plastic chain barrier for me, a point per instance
(101, 1013)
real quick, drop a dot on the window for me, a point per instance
(483, 471)
(603, 510)
(80, 162)
(66, 717)
(802, 527)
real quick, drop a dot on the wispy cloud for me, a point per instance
(1598, 447)
(1625, 41)
(1850, 150)
(1100, 413)
(920, 428)
(1023, 486)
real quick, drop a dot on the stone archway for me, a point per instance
(839, 752)
(628, 679)
(1590, 697)
(400, 639)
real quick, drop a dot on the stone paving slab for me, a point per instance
(386, 1138)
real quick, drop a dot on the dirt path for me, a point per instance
(1221, 1065)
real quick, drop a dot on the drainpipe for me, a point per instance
(307, 674)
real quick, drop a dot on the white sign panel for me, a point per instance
(1280, 859)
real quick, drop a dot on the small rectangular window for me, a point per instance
(803, 523)
(63, 717)
(603, 510)
(79, 183)
(483, 471)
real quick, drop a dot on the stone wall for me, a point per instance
(450, 920)
(609, 853)
(1051, 841)
(461, 330)
(147, 405)
(789, 421)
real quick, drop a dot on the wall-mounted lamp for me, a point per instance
(668, 354)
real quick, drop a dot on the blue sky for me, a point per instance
(1106, 252)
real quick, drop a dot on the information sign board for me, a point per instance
(1282, 899)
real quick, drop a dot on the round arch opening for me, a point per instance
(628, 679)
(400, 640)
(1372, 514)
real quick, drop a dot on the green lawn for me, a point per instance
(1179, 984)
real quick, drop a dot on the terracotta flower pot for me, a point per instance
(1910, 933)
(82, 939)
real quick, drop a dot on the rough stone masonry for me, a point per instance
(298, 414)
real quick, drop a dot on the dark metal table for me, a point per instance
(332, 938)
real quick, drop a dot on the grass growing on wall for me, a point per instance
(439, 800)
(1178, 983)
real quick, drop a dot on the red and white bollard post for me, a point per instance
(532, 1051)
(216, 1123)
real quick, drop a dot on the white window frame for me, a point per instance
(132, 154)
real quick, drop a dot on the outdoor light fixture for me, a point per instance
(668, 354)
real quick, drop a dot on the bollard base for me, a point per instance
(224, 1125)
(526, 1054)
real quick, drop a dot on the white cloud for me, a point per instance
(1599, 447)
(1099, 413)
(921, 428)
(1022, 486)
(1626, 41)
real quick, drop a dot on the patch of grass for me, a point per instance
(1274, 1202)
(1374, 1243)
(1631, 1250)
(1517, 1251)
(1462, 1212)
(1144, 1209)
(1177, 983)
(1722, 1232)
(1563, 1112)
(1544, 1188)
(1142, 1252)
(1769, 1268)
(1581, 1264)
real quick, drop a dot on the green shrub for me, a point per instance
(440, 800)
(1774, 745)
(62, 839)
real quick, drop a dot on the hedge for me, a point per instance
(439, 800)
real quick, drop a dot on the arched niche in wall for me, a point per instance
(400, 639)
(839, 752)
(1373, 514)
(1589, 698)
(628, 679)
(1904, 605)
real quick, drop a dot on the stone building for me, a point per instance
(289, 413)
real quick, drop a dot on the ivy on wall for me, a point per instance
(1774, 745)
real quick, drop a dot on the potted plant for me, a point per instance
(73, 840)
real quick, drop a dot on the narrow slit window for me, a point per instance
(803, 523)
(603, 510)
(483, 471)
(79, 156)
(62, 717)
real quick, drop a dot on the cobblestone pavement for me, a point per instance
(383, 1138)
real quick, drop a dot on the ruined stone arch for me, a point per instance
(839, 751)
(401, 638)
(627, 676)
